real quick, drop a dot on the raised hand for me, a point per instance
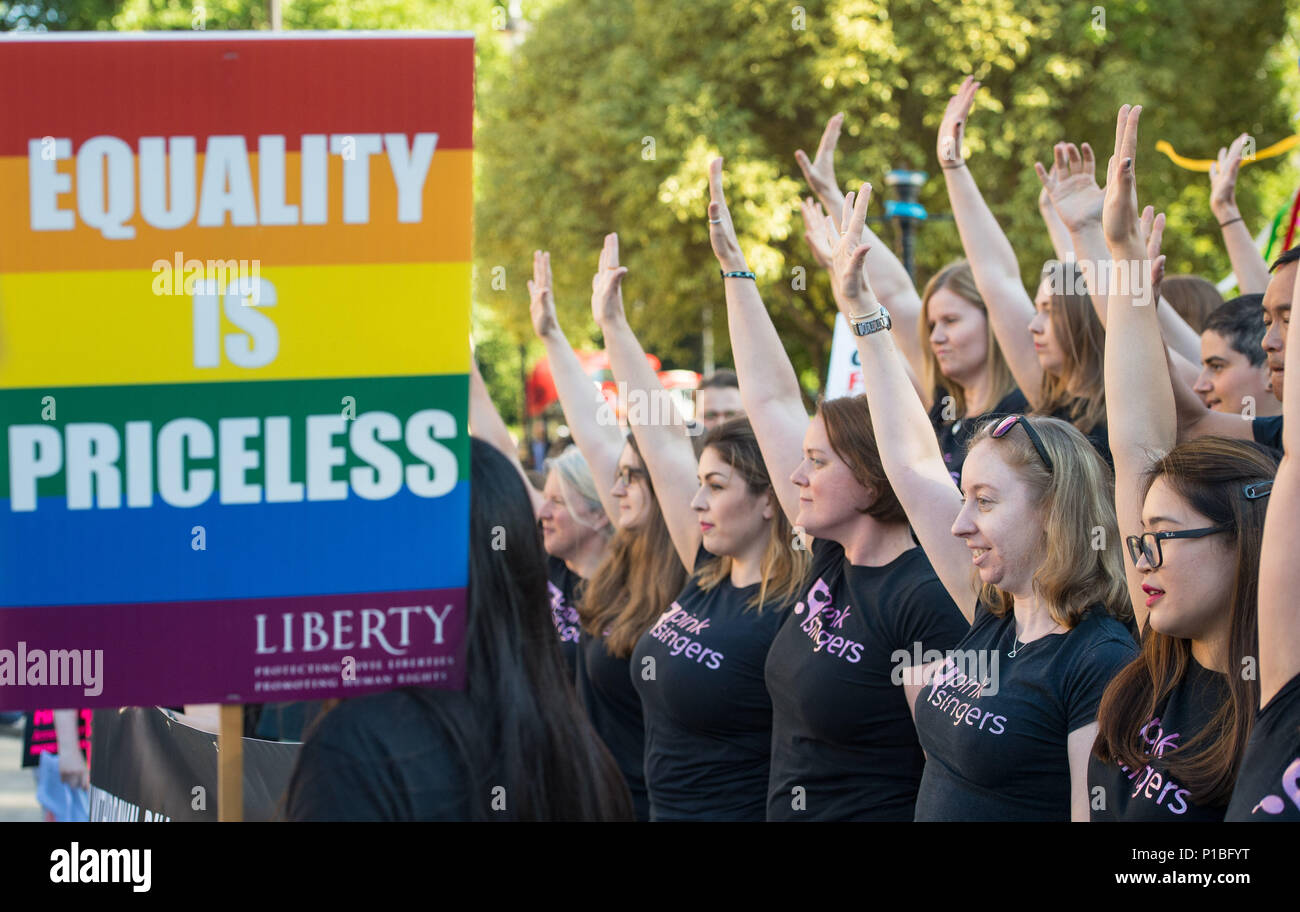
(848, 279)
(1223, 180)
(1151, 231)
(722, 233)
(814, 223)
(541, 303)
(953, 126)
(607, 284)
(1120, 209)
(820, 172)
(1071, 185)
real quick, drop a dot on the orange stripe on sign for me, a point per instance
(442, 235)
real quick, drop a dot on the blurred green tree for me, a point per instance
(614, 108)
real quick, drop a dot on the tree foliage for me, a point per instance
(614, 108)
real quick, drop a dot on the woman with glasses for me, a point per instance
(844, 745)
(640, 572)
(1173, 724)
(1028, 550)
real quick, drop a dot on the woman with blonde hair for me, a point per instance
(1057, 363)
(960, 373)
(1008, 718)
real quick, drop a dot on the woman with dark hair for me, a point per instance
(1174, 723)
(514, 745)
(843, 742)
(1057, 363)
(640, 573)
(958, 366)
(699, 669)
(1268, 784)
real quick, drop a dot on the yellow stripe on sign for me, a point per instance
(109, 328)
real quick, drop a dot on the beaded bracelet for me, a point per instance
(738, 275)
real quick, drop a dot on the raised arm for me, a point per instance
(888, 276)
(1139, 395)
(486, 424)
(909, 450)
(1056, 230)
(665, 446)
(1279, 571)
(768, 386)
(992, 261)
(588, 415)
(814, 221)
(1072, 187)
(1249, 266)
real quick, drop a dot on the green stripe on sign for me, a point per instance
(211, 402)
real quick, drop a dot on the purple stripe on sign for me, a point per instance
(231, 651)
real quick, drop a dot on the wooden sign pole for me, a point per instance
(230, 764)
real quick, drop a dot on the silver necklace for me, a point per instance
(1016, 647)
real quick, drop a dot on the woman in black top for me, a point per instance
(699, 669)
(1057, 363)
(514, 745)
(575, 528)
(843, 743)
(1175, 721)
(576, 532)
(640, 572)
(1008, 718)
(960, 373)
(1268, 785)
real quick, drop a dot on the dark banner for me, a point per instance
(151, 767)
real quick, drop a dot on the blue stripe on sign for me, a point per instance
(56, 556)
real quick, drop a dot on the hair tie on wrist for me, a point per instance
(739, 274)
(1230, 221)
(961, 164)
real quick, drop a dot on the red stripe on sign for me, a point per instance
(196, 86)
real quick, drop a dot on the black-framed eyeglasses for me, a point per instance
(1148, 543)
(627, 473)
(1007, 423)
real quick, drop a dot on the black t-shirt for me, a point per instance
(1268, 785)
(955, 435)
(843, 743)
(994, 728)
(1150, 793)
(379, 757)
(606, 692)
(708, 717)
(1268, 431)
(563, 585)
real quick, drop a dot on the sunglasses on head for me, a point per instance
(1007, 423)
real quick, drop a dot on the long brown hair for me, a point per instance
(784, 567)
(639, 576)
(1079, 390)
(1192, 297)
(958, 278)
(1209, 473)
(1081, 564)
(849, 430)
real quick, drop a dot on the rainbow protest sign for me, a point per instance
(234, 313)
